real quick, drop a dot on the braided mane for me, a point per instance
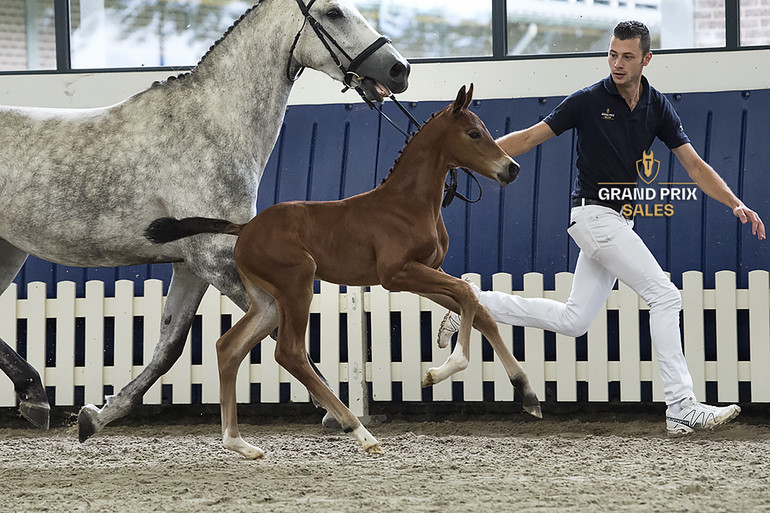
(211, 48)
(401, 151)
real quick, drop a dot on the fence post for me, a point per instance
(694, 331)
(534, 339)
(358, 395)
(9, 313)
(503, 282)
(759, 327)
(94, 351)
(727, 336)
(628, 320)
(566, 348)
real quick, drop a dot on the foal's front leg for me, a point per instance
(448, 291)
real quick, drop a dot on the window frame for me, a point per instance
(499, 44)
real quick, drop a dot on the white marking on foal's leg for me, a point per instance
(239, 445)
(455, 363)
(368, 442)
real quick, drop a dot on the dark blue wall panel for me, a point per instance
(332, 151)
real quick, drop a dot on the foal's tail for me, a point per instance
(167, 229)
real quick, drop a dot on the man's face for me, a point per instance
(626, 60)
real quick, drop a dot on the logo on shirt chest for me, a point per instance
(608, 115)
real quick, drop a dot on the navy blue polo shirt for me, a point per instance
(610, 137)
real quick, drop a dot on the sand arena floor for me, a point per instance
(463, 463)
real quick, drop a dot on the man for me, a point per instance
(617, 120)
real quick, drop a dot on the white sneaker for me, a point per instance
(450, 325)
(694, 416)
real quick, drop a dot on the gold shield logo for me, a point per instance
(647, 167)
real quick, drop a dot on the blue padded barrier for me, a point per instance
(332, 151)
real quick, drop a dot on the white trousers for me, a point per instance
(609, 250)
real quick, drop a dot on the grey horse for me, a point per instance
(78, 187)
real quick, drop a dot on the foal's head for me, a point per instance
(468, 143)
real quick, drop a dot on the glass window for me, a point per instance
(566, 26)
(433, 28)
(755, 22)
(136, 33)
(27, 38)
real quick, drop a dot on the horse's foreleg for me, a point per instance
(460, 357)
(184, 296)
(33, 402)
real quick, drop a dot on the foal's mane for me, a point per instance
(211, 48)
(411, 138)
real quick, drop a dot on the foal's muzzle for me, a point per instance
(510, 174)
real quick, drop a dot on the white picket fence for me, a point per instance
(566, 371)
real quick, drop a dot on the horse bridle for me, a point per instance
(350, 74)
(327, 40)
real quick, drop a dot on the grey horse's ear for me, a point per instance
(459, 103)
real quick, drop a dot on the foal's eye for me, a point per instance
(334, 13)
(474, 135)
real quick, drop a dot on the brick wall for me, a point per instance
(13, 35)
(755, 22)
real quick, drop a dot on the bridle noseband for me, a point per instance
(327, 40)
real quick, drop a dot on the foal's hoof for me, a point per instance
(534, 410)
(331, 423)
(374, 449)
(39, 414)
(429, 379)
(87, 422)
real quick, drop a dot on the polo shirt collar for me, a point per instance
(610, 87)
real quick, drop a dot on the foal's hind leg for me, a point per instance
(293, 296)
(184, 295)
(33, 402)
(232, 348)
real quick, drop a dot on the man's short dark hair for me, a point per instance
(631, 30)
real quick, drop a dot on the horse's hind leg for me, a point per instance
(516, 373)
(33, 402)
(293, 295)
(232, 348)
(184, 296)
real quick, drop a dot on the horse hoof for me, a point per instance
(374, 449)
(534, 410)
(87, 424)
(39, 414)
(331, 423)
(428, 380)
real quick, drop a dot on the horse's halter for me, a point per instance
(327, 40)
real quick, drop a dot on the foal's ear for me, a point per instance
(460, 102)
(463, 99)
(468, 96)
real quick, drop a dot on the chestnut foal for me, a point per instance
(393, 235)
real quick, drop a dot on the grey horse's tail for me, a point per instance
(167, 229)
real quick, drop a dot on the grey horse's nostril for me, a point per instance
(398, 71)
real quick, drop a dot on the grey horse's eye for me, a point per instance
(334, 13)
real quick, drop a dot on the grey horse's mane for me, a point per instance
(173, 78)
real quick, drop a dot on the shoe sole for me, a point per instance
(686, 430)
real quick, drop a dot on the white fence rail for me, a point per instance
(378, 368)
